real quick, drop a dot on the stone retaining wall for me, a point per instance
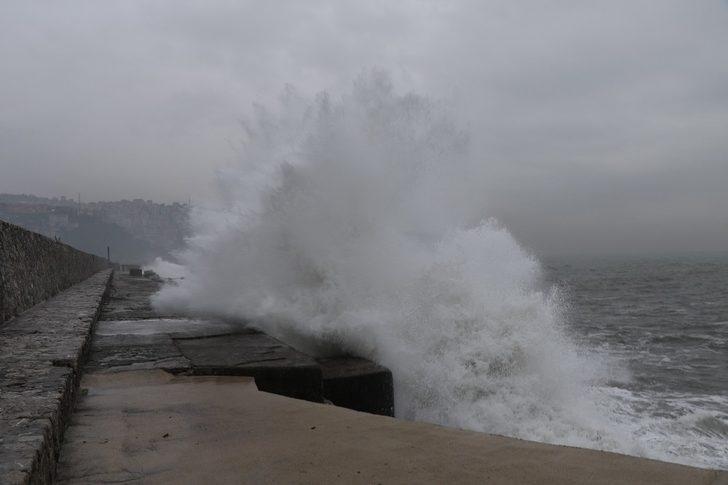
(41, 357)
(33, 268)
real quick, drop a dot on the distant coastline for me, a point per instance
(135, 230)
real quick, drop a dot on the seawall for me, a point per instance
(43, 351)
(50, 298)
(34, 268)
(171, 400)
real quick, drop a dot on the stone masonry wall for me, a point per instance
(33, 268)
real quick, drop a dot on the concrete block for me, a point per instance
(276, 367)
(358, 384)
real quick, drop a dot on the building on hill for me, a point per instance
(136, 230)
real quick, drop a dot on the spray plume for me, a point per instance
(357, 225)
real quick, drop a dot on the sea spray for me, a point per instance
(359, 224)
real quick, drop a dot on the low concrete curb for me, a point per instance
(42, 352)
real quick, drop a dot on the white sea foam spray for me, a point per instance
(359, 224)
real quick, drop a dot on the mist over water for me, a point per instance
(357, 225)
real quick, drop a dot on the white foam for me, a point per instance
(167, 269)
(359, 224)
(687, 429)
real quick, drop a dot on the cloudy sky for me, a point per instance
(604, 124)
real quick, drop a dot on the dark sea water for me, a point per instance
(664, 322)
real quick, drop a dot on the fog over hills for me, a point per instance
(600, 126)
(136, 231)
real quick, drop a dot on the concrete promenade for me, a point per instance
(165, 399)
(152, 427)
(136, 422)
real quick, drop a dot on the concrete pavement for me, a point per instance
(153, 427)
(147, 415)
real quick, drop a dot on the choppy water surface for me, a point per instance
(665, 321)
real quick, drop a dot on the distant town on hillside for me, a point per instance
(136, 231)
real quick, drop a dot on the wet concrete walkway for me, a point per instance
(130, 335)
(153, 427)
(171, 400)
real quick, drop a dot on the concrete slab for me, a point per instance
(114, 353)
(276, 367)
(358, 384)
(151, 427)
(175, 327)
(129, 299)
(133, 336)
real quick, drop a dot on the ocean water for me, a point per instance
(359, 224)
(664, 322)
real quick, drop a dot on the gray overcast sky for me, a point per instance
(604, 124)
